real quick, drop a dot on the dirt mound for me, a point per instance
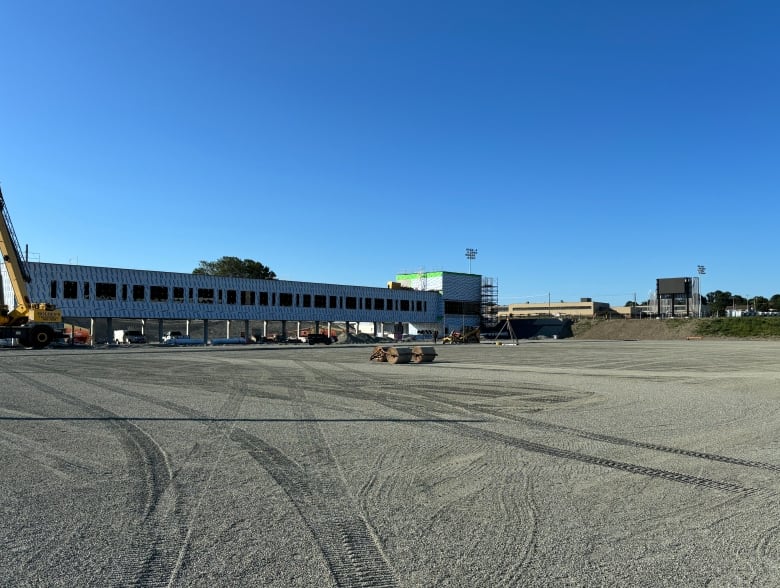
(622, 329)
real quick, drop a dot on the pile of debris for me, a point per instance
(403, 354)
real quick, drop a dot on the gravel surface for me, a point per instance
(549, 463)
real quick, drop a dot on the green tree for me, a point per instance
(233, 267)
(719, 301)
(760, 303)
(774, 302)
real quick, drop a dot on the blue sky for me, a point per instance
(583, 148)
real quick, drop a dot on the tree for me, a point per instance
(233, 267)
(774, 302)
(719, 301)
(760, 303)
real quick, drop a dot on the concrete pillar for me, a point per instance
(205, 331)
(143, 326)
(265, 329)
(298, 330)
(284, 329)
(187, 327)
(227, 329)
(92, 331)
(247, 334)
(160, 331)
(375, 329)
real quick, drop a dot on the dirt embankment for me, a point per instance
(634, 329)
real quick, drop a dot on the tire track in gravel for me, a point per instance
(154, 495)
(196, 490)
(614, 440)
(421, 410)
(319, 492)
(514, 498)
(345, 538)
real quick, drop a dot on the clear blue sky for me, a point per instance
(583, 148)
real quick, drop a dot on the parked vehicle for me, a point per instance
(169, 335)
(129, 336)
(314, 338)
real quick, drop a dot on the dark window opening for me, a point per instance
(105, 291)
(178, 294)
(333, 302)
(307, 300)
(206, 295)
(139, 292)
(70, 290)
(351, 303)
(263, 298)
(247, 298)
(285, 299)
(379, 303)
(320, 301)
(405, 305)
(86, 290)
(53, 290)
(231, 297)
(158, 293)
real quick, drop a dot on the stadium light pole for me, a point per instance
(701, 270)
(471, 254)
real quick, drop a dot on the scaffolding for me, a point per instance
(489, 305)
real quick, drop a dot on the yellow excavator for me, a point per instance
(33, 324)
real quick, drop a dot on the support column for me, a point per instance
(143, 326)
(92, 331)
(110, 327)
(227, 329)
(160, 331)
(187, 327)
(205, 331)
(247, 334)
(284, 329)
(265, 329)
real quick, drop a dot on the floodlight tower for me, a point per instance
(471, 254)
(701, 271)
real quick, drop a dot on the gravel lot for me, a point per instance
(549, 463)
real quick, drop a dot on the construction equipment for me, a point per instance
(467, 336)
(33, 324)
(403, 354)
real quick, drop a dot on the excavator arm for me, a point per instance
(19, 275)
(18, 272)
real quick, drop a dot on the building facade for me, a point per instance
(461, 298)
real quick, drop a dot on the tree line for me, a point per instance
(719, 301)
